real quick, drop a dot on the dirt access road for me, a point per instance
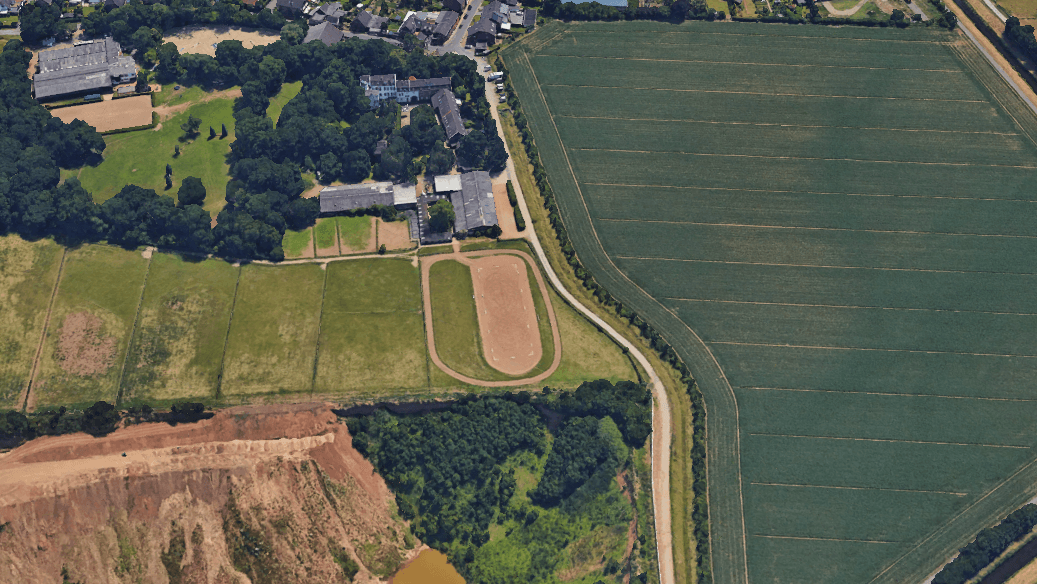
(426, 266)
(660, 404)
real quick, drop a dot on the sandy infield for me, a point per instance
(505, 213)
(202, 41)
(115, 114)
(394, 235)
(507, 317)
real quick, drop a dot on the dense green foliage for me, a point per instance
(454, 473)
(626, 402)
(1021, 36)
(483, 150)
(988, 545)
(40, 21)
(441, 216)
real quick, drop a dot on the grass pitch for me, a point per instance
(90, 326)
(831, 227)
(372, 334)
(28, 272)
(177, 350)
(273, 334)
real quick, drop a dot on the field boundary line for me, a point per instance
(27, 392)
(844, 488)
(823, 539)
(825, 266)
(781, 36)
(890, 440)
(960, 52)
(133, 330)
(226, 338)
(769, 94)
(876, 349)
(808, 158)
(722, 376)
(778, 125)
(320, 320)
(808, 228)
(791, 192)
(848, 306)
(750, 63)
(751, 47)
(888, 393)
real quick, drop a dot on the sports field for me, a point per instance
(834, 228)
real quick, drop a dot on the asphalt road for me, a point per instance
(455, 44)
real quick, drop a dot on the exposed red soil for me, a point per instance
(273, 490)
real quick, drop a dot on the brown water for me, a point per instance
(430, 567)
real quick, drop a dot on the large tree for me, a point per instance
(39, 21)
(441, 216)
(192, 192)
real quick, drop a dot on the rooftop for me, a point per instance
(445, 105)
(349, 197)
(448, 182)
(324, 32)
(473, 204)
(83, 67)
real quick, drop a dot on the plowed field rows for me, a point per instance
(835, 230)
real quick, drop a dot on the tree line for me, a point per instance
(988, 545)
(100, 419)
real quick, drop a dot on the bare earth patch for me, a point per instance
(507, 316)
(115, 114)
(203, 41)
(394, 235)
(505, 213)
(82, 348)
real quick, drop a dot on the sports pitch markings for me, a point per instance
(994, 456)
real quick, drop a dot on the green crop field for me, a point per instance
(177, 350)
(28, 274)
(90, 326)
(835, 229)
(372, 337)
(272, 342)
(140, 158)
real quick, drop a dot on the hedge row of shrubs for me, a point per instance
(520, 222)
(988, 545)
(700, 513)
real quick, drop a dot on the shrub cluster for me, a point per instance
(520, 222)
(662, 348)
(988, 545)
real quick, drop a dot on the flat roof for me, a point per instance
(350, 197)
(405, 194)
(447, 182)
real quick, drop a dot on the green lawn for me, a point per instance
(372, 334)
(28, 273)
(455, 321)
(355, 232)
(141, 157)
(170, 96)
(295, 243)
(324, 234)
(277, 102)
(177, 350)
(860, 300)
(273, 333)
(90, 326)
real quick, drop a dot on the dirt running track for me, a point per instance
(113, 114)
(507, 316)
(426, 266)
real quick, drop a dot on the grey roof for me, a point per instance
(379, 80)
(409, 25)
(293, 5)
(324, 32)
(83, 67)
(473, 204)
(369, 21)
(485, 27)
(350, 197)
(435, 82)
(116, 3)
(445, 23)
(454, 5)
(445, 105)
(331, 9)
(529, 18)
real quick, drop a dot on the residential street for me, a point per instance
(455, 44)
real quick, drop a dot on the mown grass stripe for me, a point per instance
(798, 192)
(878, 349)
(852, 307)
(825, 266)
(808, 158)
(806, 228)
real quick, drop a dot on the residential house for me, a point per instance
(457, 6)
(382, 87)
(331, 12)
(445, 105)
(324, 32)
(369, 23)
(289, 6)
(444, 26)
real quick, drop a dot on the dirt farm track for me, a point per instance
(115, 114)
(504, 343)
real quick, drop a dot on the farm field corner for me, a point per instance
(829, 226)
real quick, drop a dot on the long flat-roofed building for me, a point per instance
(342, 198)
(83, 68)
